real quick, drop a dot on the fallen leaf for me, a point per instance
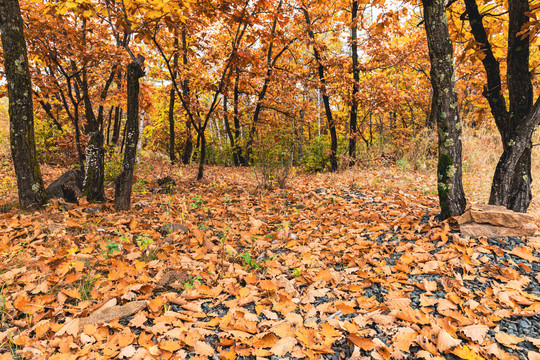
(476, 333)
(283, 346)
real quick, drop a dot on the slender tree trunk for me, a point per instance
(188, 149)
(21, 116)
(78, 145)
(172, 140)
(237, 150)
(449, 174)
(356, 81)
(124, 182)
(325, 96)
(109, 121)
(117, 124)
(202, 156)
(228, 129)
(48, 110)
(172, 95)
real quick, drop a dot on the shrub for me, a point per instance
(273, 156)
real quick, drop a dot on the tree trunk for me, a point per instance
(172, 141)
(511, 186)
(237, 150)
(202, 157)
(228, 129)
(172, 95)
(188, 149)
(94, 174)
(78, 145)
(23, 147)
(449, 174)
(356, 80)
(109, 121)
(117, 124)
(325, 96)
(124, 182)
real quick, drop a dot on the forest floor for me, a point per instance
(353, 265)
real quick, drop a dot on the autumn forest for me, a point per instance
(269, 179)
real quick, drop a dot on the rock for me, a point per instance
(172, 228)
(494, 215)
(487, 230)
(67, 186)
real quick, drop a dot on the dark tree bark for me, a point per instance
(449, 173)
(202, 157)
(94, 173)
(172, 95)
(109, 121)
(325, 96)
(356, 80)
(124, 182)
(117, 124)
(21, 116)
(511, 186)
(188, 149)
(228, 128)
(48, 110)
(237, 149)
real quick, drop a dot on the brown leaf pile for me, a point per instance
(327, 266)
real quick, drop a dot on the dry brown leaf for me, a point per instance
(524, 252)
(362, 342)
(283, 346)
(127, 352)
(476, 333)
(71, 327)
(533, 355)
(111, 313)
(446, 342)
(508, 339)
(405, 338)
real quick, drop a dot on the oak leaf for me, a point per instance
(445, 341)
(476, 333)
(283, 346)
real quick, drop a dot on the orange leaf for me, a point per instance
(524, 252)
(476, 333)
(171, 345)
(202, 348)
(362, 342)
(508, 339)
(446, 342)
(283, 346)
(155, 305)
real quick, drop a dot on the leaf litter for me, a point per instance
(331, 268)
